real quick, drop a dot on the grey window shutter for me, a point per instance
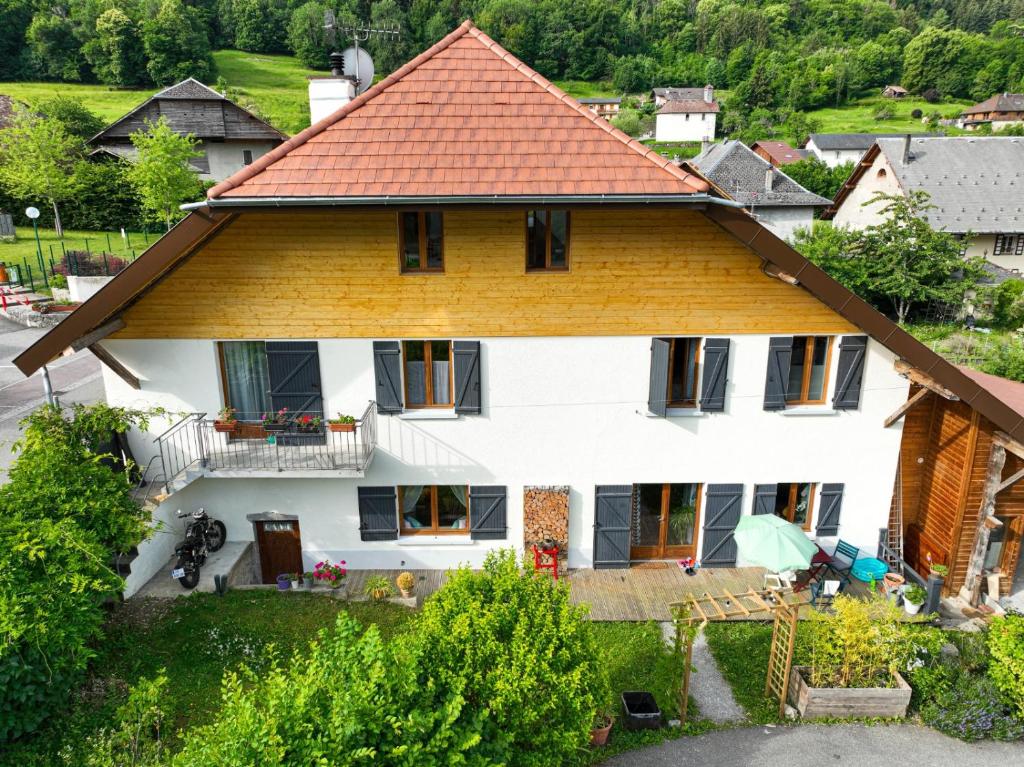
(293, 368)
(830, 507)
(613, 505)
(764, 498)
(722, 510)
(715, 375)
(488, 518)
(852, 350)
(780, 355)
(657, 400)
(378, 514)
(387, 369)
(467, 376)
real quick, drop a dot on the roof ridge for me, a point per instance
(160, 93)
(317, 128)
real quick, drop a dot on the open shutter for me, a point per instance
(487, 513)
(387, 369)
(612, 507)
(764, 498)
(716, 370)
(852, 350)
(657, 400)
(294, 372)
(830, 507)
(378, 514)
(722, 509)
(780, 355)
(467, 376)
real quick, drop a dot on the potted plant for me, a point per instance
(942, 571)
(603, 721)
(342, 422)
(226, 422)
(307, 580)
(378, 588)
(913, 598)
(307, 423)
(284, 581)
(275, 422)
(405, 583)
(330, 574)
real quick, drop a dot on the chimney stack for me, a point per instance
(709, 93)
(906, 150)
(705, 145)
(329, 94)
(768, 179)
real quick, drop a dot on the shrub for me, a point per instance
(931, 95)
(627, 121)
(1006, 668)
(1007, 361)
(1008, 305)
(520, 651)
(82, 264)
(971, 709)
(884, 112)
(916, 114)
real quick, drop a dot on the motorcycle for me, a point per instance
(203, 535)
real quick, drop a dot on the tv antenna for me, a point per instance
(354, 59)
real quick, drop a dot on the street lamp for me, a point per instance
(33, 213)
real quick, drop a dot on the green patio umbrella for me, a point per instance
(774, 543)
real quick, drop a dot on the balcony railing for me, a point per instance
(200, 443)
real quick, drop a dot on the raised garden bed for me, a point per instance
(847, 702)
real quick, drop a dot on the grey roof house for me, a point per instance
(975, 184)
(230, 137)
(776, 200)
(837, 148)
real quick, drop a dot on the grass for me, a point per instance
(962, 347)
(23, 250)
(684, 149)
(582, 89)
(741, 650)
(858, 116)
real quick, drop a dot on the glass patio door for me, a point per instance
(665, 519)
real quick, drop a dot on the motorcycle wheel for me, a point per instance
(216, 536)
(191, 577)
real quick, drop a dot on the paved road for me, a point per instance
(818, 745)
(75, 379)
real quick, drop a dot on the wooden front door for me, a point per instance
(280, 548)
(665, 521)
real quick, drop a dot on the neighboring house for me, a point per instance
(606, 108)
(517, 301)
(685, 114)
(778, 153)
(772, 197)
(230, 137)
(835, 149)
(894, 92)
(975, 184)
(999, 111)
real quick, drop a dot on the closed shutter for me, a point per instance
(715, 375)
(378, 514)
(487, 513)
(467, 376)
(722, 509)
(830, 508)
(780, 355)
(612, 507)
(852, 350)
(657, 400)
(387, 370)
(294, 371)
(764, 498)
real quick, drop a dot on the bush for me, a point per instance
(884, 112)
(931, 95)
(916, 114)
(1006, 644)
(521, 652)
(1007, 362)
(1008, 305)
(627, 121)
(971, 709)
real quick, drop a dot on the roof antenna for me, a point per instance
(354, 59)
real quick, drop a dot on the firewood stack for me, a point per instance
(546, 517)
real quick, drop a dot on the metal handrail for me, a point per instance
(180, 446)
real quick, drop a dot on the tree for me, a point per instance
(54, 47)
(811, 173)
(161, 172)
(307, 36)
(78, 120)
(114, 52)
(38, 161)
(260, 25)
(176, 44)
(942, 59)
(634, 73)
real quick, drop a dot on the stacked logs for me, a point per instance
(546, 516)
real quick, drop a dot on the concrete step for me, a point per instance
(234, 560)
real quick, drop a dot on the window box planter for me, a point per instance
(641, 711)
(225, 427)
(847, 702)
(275, 428)
(348, 427)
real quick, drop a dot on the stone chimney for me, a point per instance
(329, 94)
(906, 150)
(768, 179)
(709, 93)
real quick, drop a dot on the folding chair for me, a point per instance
(824, 592)
(842, 560)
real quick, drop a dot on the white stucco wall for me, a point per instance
(984, 245)
(853, 213)
(784, 221)
(685, 127)
(566, 411)
(834, 157)
(226, 157)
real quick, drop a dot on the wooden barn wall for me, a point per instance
(913, 446)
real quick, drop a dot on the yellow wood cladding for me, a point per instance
(335, 274)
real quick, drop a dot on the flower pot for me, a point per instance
(342, 427)
(910, 607)
(225, 427)
(406, 593)
(284, 582)
(275, 428)
(641, 710)
(599, 735)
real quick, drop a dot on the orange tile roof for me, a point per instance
(464, 118)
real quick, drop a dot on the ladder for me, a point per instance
(895, 531)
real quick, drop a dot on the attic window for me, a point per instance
(881, 173)
(246, 157)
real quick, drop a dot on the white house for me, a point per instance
(512, 302)
(685, 114)
(836, 149)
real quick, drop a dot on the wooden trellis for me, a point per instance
(780, 661)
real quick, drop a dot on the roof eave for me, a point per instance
(445, 200)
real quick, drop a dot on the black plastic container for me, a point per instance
(641, 711)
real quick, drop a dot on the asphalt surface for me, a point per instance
(75, 379)
(817, 745)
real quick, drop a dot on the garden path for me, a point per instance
(707, 685)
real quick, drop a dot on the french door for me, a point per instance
(665, 521)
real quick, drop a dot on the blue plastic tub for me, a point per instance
(869, 569)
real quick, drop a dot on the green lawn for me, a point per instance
(741, 650)
(858, 117)
(582, 89)
(23, 250)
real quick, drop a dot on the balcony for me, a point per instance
(197, 446)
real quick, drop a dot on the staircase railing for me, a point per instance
(181, 446)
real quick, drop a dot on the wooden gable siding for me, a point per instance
(324, 274)
(917, 424)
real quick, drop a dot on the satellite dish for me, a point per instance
(32, 212)
(359, 65)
